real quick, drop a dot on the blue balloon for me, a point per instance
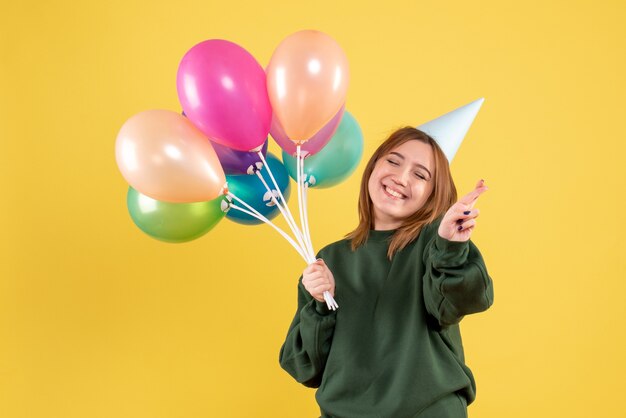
(250, 189)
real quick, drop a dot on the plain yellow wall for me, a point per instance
(99, 320)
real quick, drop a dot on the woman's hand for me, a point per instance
(317, 279)
(460, 220)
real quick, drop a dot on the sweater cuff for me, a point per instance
(321, 308)
(450, 253)
(443, 244)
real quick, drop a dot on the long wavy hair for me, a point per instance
(442, 197)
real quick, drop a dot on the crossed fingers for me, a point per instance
(470, 198)
(466, 213)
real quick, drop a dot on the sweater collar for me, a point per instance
(380, 236)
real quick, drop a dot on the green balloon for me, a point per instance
(173, 222)
(337, 160)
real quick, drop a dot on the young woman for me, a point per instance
(404, 279)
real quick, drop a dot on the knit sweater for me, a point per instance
(394, 345)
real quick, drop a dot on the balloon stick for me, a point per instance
(290, 222)
(330, 301)
(289, 216)
(254, 213)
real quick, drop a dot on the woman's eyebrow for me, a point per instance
(416, 164)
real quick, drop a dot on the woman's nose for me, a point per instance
(401, 178)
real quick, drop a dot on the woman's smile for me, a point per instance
(393, 193)
(400, 183)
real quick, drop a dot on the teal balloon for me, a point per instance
(337, 160)
(250, 189)
(173, 222)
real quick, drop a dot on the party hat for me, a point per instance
(450, 129)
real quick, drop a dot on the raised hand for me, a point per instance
(460, 220)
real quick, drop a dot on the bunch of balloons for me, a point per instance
(188, 171)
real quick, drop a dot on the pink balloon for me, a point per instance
(223, 91)
(311, 146)
(164, 156)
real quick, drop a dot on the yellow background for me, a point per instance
(99, 320)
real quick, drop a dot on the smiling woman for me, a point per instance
(409, 163)
(405, 277)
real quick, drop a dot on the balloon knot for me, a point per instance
(225, 205)
(252, 169)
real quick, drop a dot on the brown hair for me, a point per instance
(441, 198)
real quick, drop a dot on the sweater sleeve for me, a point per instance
(306, 348)
(456, 282)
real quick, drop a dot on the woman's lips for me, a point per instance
(394, 194)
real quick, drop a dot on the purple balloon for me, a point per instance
(223, 91)
(237, 162)
(311, 146)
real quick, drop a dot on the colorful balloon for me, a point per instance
(337, 160)
(223, 91)
(163, 155)
(251, 190)
(174, 222)
(234, 161)
(307, 82)
(314, 144)
(237, 162)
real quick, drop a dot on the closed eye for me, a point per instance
(392, 162)
(420, 176)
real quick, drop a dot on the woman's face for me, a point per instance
(400, 183)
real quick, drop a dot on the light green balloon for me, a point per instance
(173, 222)
(337, 160)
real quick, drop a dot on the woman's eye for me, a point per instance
(420, 176)
(392, 162)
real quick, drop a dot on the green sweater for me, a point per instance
(394, 345)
